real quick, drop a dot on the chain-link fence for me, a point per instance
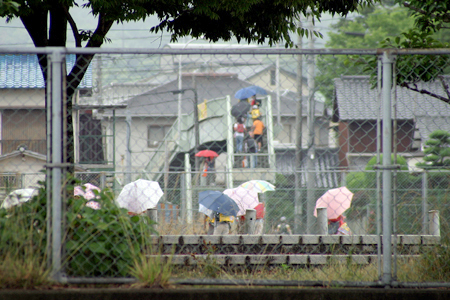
(162, 135)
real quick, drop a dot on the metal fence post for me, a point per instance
(152, 213)
(128, 149)
(322, 220)
(55, 83)
(378, 173)
(434, 226)
(250, 219)
(425, 218)
(387, 61)
(230, 146)
(187, 170)
(102, 180)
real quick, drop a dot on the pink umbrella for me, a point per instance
(336, 201)
(245, 199)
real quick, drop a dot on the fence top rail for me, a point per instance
(225, 50)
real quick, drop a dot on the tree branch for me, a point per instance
(83, 60)
(444, 17)
(444, 85)
(420, 11)
(425, 92)
(74, 27)
(103, 26)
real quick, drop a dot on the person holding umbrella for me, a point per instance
(209, 168)
(223, 224)
(336, 201)
(224, 209)
(239, 133)
(260, 213)
(209, 171)
(210, 222)
(258, 129)
(338, 226)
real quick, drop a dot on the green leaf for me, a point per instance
(102, 226)
(97, 247)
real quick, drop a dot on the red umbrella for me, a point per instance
(207, 153)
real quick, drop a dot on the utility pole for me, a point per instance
(196, 125)
(298, 208)
(310, 169)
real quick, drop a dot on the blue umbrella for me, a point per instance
(218, 202)
(249, 91)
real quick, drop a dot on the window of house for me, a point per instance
(156, 134)
(284, 135)
(273, 78)
(10, 181)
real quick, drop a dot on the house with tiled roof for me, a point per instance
(22, 102)
(357, 107)
(23, 116)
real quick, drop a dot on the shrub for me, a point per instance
(96, 242)
(104, 242)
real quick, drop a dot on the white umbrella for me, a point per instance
(18, 196)
(245, 199)
(140, 195)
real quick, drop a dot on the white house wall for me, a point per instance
(140, 152)
(22, 98)
(27, 167)
(286, 82)
(286, 133)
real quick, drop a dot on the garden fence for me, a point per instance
(374, 121)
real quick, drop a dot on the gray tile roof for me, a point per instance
(160, 101)
(428, 124)
(23, 71)
(356, 100)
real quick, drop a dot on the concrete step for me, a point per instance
(289, 244)
(273, 259)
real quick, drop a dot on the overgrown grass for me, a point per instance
(331, 272)
(23, 272)
(152, 271)
(433, 265)
(23, 241)
(111, 243)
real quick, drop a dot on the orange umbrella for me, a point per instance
(207, 153)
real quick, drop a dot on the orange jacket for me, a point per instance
(258, 127)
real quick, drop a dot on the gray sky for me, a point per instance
(127, 35)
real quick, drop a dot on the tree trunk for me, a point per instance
(36, 25)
